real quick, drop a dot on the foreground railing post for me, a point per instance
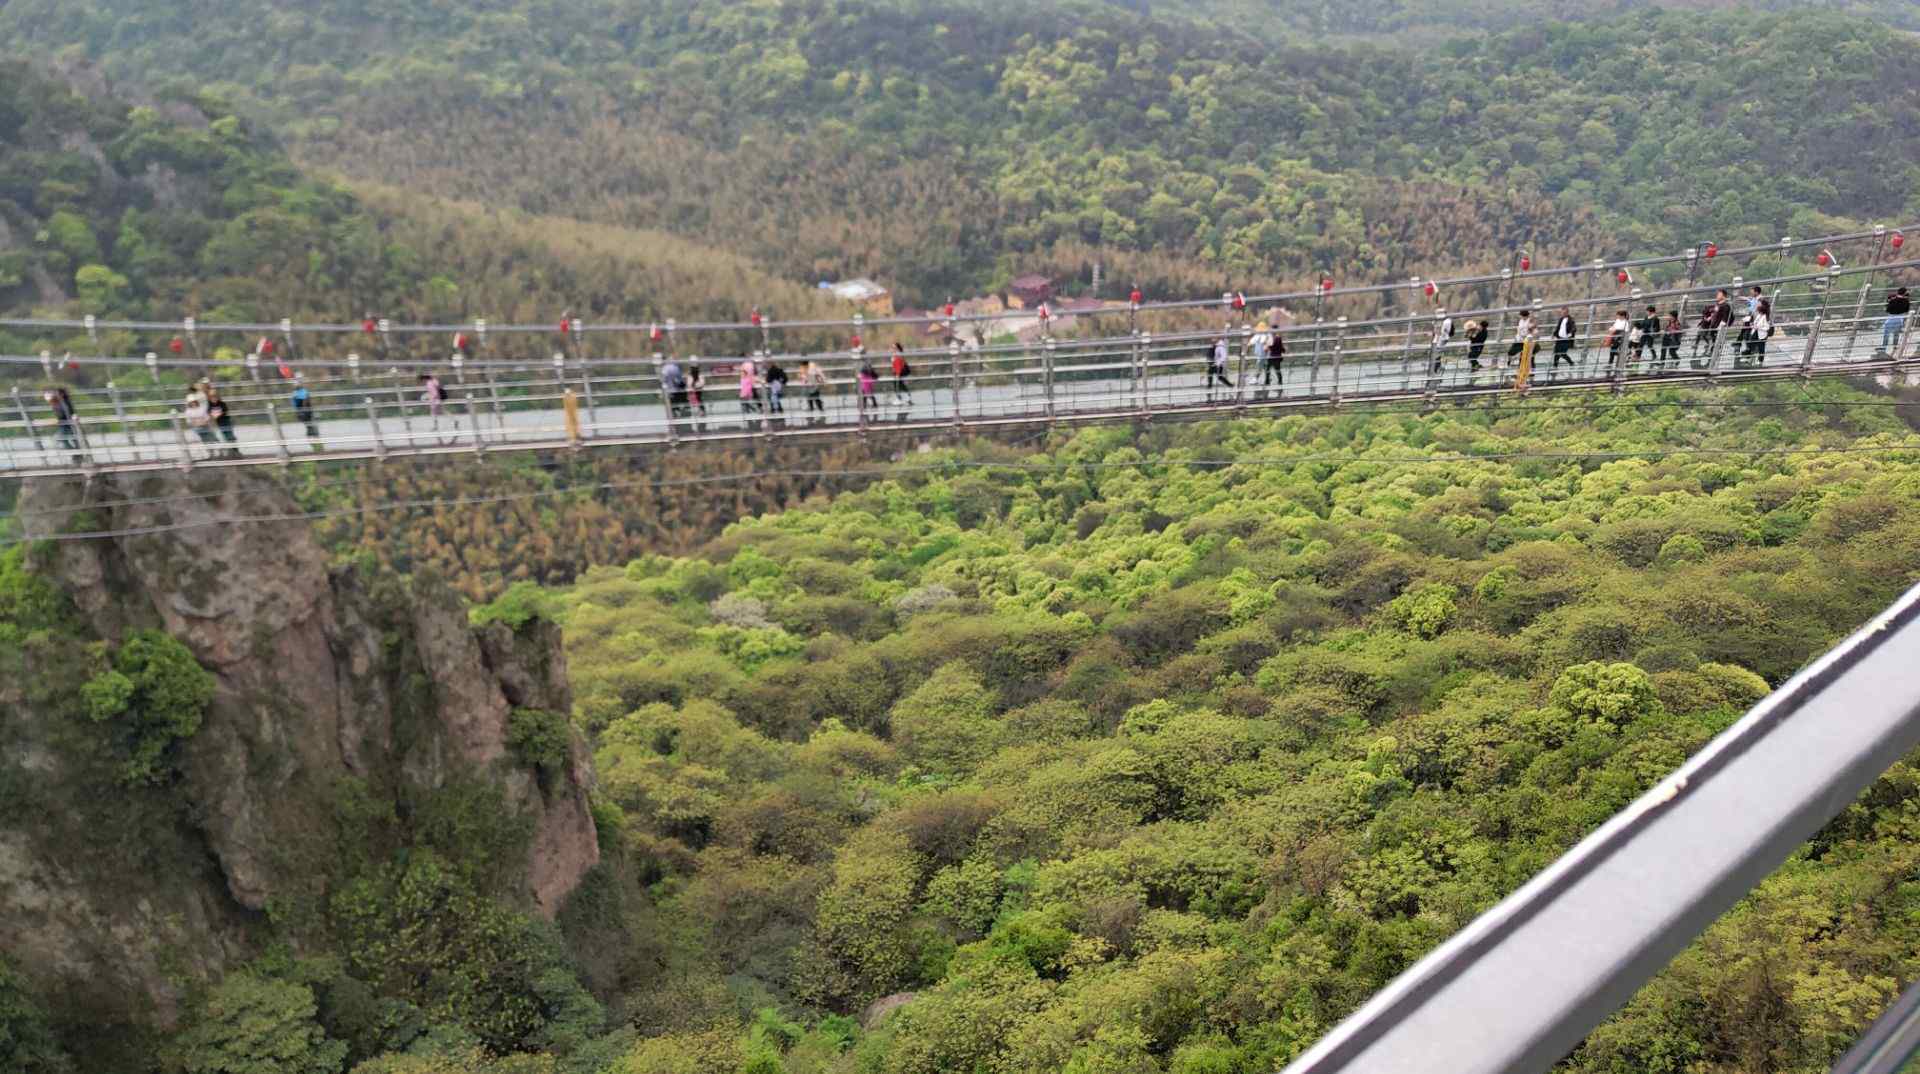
(1813, 341)
(473, 425)
(120, 415)
(279, 434)
(26, 419)
(1046, 358)
(953, 376)
(1866, 288)
(180, 436)
(373, 423)
(1339, 347)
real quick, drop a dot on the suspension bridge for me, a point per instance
(1128, 361)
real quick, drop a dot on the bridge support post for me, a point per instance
(26, 419)
(1813, 342)
(1046, 358)
(406, 422)
(279, 434)
(1593, 308)
(373, 423)
(180, 437)
(586, 390)
(1143, 348)
(1339, 346)
(953, 375)
(1866, 287)
(1406, 354)
(473, 424)
(1240, 369)
(120, 415)
(1313, 361)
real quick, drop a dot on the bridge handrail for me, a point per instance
(1694, 256)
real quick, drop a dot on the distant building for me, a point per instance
(1029, 291)
(865, 295)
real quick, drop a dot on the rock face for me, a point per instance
(323, 679)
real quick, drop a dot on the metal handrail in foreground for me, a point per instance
(1525, 982)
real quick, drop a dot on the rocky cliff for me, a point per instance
(328, 683)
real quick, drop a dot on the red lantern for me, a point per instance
(1824, 259)
(1326, 284)
(1525, 262)
(285, 372)
(369, 326)
(1432, 289)
(265, 347)
(1239, 300)
(1624, 277)
(756, 316)
(1045, 313)
(856, 341)
(566, 323)
(653, 331)
(1899, 240)
(1134, 296)
(176, 345)
(949, 309)
(1713, 249)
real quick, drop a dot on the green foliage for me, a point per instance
(255, 1025)
(28, 602)
(1426, 611)
(418, 931)
(1180, 796)
(522, 603)
(540, 739)
(152, 697)
(27, 1043)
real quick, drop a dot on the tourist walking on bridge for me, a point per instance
(199, 419)
(65, 418)
(1476, 343)
(776, 387)
(303, 406)
(1899, 305)
(432, 394)
(222, 419)
(815, 382)
(749, 388)
(1563, 332)
(1217, 367)
(902, 395)
(1670, 335)
(674, 383)
(1524, 332)
(1616, 335)
(869, 383)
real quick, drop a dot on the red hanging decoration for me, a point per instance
(1624, 277)
(285, 372)
(856, 341)
(1326, 284)
(755, 316)
(1134, 295)
(1713, 249)
(1526, 262)
(1432, 289)
(176, 345)
(653, 332)
(1824, 260)
(1899, 240)
(949, 309)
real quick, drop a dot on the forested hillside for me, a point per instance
(1152, 752)
(947, 146)
(177, 207)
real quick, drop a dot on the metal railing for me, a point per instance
(493, 401)
(1521, 985)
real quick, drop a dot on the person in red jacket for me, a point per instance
(901, 371)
